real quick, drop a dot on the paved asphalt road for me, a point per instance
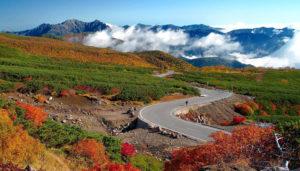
(166, 74)
(162, 115)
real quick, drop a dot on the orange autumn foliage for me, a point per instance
(253, 105)
(244, 108)
(91, 149)
(35, 114)
(16, 145)
(95, 151)
(247, 143)
(115, 90)
(273, 107)
(40, 98)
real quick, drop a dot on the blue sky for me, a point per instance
(24, 14)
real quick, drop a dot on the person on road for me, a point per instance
(186, 103)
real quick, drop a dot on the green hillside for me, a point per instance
(135, 83)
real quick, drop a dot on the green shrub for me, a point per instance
(136, 84)
(6, 86)
(146, 162)
(113, 147)
(33, 86)
(54, 134)
(27, 124)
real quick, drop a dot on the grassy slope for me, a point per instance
(281, 86)
(136, 83)
(269, 86)
(62, 49)
(165, 61)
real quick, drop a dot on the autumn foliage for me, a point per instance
(16, 145)
(127, 149)
(248, 143)
(63, 49)
(95, 151)
(35, 114)
(9, 167)
(238, 120)
(246, 108)
(66, 93)
(86, 88)
(113, 167)
(40, 98)
(121, 167)
(91, 149)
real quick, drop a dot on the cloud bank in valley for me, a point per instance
(132, 39)
(287, 56)
(216, 45)
(174, 42)
(178, 43)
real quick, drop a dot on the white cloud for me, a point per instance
(287, 56)
(213, 45)
(132, 39)
(216, 45)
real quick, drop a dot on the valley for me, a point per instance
(169, 85)
(69, 98)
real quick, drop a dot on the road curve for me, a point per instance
(162, 115)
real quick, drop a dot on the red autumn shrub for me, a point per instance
(66, 93)
(238, 120)
(127, 149)
(263, 113)
(35, 114)
(85, 88)
(115, 90)
(273, 106)
(113, 167)
(243, 108)
(225, 123)
(91, 149)
(249, 143)
(121, 167)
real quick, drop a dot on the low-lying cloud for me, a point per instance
(287, 56)
(216, 45)
(132, 39)
(176, 42)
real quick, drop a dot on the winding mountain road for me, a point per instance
(163, 115)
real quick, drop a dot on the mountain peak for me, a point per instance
(70, 26)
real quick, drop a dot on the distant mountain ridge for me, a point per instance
(216, 61)
(72, 26)
(261, 41)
